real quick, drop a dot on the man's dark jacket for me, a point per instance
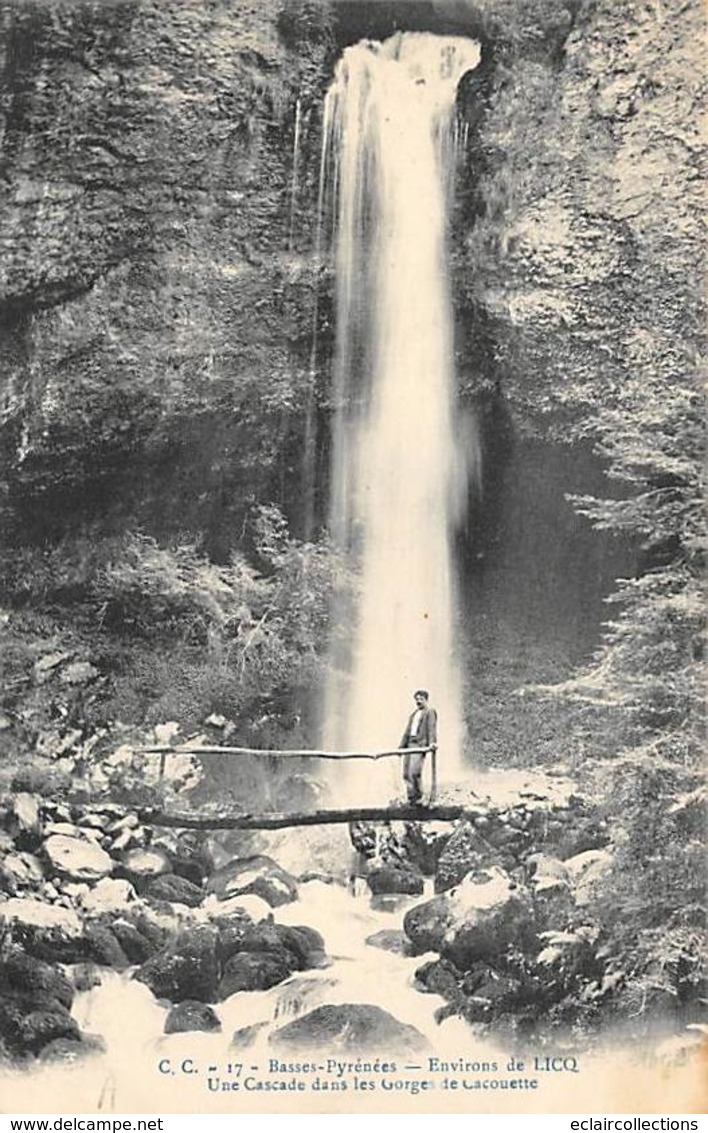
(427, 735)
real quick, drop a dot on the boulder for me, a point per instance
(141, 866)
(77, 858)
(588, 873)
(187, 969)
(424, 843)
(50, 932)
(78, 673)
(586, 832)
(245, 1037)
(389, 902)
(22, 973)
(25, 820)
(258, 874)
(425, 925)
(22, 871)
(390, 940)
(26, 1026)
(137, 947)
(394, 879)
(466, 849)
(110, 895)
(364, 838)
(156, 928)
(232, 931)
(477, 920)
(86, 976)
(190, 856)
(253, 971)
(349, 1028)
(543, 869)
(297, 946)
(191, 1015)
(69, 829)
(439, 977)
(247, 905)
(493, 996)
(69, 1051)
(103, 948)
(177, 890)
(305, 943)
(553, 904)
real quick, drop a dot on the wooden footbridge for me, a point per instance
(227, 818)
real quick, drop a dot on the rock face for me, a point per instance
(183, 167)
(349, 1028)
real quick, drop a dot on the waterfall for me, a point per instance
(399, 468)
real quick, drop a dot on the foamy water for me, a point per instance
(399, 467)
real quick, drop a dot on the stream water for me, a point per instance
(131, 1021)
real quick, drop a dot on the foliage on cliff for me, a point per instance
(583, 274)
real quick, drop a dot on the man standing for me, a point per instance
(421, 732)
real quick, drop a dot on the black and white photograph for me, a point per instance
(352, 550)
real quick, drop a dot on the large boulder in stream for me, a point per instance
(349, 1028)
(478, 920)
(35, 1004)
(191, 1015)
(394, 879)
(187, 969)
(110, 895)
(20, 973)
(254, 971)
(78, 859)
(300, 946)
(27, 1025)
(49, 932)
(175, 889)
(258, 874)
(141, 866)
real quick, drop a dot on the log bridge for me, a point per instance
(219, 818)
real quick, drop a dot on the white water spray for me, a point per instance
(399, 474)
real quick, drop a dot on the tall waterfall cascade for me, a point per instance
(399, 467)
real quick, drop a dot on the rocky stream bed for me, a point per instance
(493, 913)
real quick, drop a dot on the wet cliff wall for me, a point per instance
(155, 324)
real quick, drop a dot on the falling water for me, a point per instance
(295, 173)
(399, 468)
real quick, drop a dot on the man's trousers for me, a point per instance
(413, 774)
